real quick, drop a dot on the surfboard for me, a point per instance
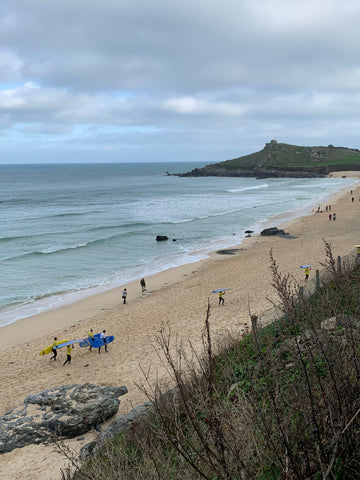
(71, 342)
(50, 347)
(304, 266)
(99, 342)
(86, 342)
(220, 290)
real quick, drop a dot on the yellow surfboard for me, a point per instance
(50, 347)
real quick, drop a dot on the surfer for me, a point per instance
(103, 337)
(54, 349)
(307, 272)
(68, 354)
(221, 297)
(91, 338)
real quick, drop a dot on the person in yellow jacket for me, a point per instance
(307, 272)
(221, 297)
(54, 349)
(68, 354)
(91, 338)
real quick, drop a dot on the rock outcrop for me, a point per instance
(66, 412)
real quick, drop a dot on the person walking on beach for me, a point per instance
(91, 339)
(124, 295)
(54, 349)
(68, 354)
(307, 272)
(103, 337)
(221, 297)
(143, 285)
(329, 216)
(334, 216)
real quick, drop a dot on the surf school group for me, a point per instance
(97, 340)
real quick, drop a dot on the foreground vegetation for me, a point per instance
(281, 404)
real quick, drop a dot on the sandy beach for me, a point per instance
(177, 296)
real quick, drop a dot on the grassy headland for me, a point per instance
(282, 160)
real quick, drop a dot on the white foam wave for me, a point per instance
(244, 189)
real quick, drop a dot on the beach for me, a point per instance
(177, 297)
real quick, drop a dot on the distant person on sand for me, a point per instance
(307, 272)
(334, 216)
(124, 295)
(54, 349)
(329, 216)
(91, 338)
(143, 284)
(68, 354)
(221, 297)
(103, 337)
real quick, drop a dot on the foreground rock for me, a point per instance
(66, 411)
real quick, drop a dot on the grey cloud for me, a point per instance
(209, 77)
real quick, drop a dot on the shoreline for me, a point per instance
(178, 298)
(85, 302)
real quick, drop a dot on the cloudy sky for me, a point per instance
(173, 80)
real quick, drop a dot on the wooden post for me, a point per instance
(254, 320)
(301, 290)
(339, 263)
(317, 279)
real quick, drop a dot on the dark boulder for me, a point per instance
(276, 231)
(272, 231)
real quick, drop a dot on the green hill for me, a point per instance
(283, 160)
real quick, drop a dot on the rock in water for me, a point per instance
(65, 411)
(161, 238)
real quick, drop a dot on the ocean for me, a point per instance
(72, 230)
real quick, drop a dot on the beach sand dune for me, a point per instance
(178, 298)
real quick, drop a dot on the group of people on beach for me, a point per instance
(91, 338)
(54, 350)
(69, 348)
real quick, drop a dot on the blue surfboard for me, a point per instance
(71, 342)
(86, 342)
(99, 342)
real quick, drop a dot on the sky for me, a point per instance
(165, 80)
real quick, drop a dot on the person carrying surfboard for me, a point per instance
(307, 272)
(54, 349)
(103, 338)
(68, 354)
(91, 338)
(221, 297)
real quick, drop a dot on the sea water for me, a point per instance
(68, 231)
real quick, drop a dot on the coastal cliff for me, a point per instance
(283, 160)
